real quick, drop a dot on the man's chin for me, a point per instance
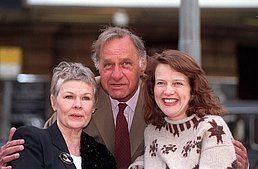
(118, 96)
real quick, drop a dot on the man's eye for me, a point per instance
(107, 66)
(127, 64)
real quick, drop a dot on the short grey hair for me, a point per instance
(111, 33)
(66, 71)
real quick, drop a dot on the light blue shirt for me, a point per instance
(129, 110)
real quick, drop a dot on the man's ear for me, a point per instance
(144, 66)
(53, 102)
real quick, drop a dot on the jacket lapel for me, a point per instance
(59, 142)
(103, 119)
(138, 125)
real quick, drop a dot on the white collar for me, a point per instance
(131, 103)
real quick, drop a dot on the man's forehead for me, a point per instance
(119, 58)
(118, 42)
(119, 53)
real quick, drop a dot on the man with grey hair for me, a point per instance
(120, 57)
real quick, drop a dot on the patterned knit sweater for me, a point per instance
(190, 143)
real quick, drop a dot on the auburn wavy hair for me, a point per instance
(202, 101)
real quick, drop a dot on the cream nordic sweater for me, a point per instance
(190, 143)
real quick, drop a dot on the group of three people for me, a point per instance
(183, 129)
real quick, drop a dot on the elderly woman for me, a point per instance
(185, 129)
(64, 144)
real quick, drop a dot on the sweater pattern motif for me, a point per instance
(192, 145)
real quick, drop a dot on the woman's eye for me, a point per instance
(68, 97)
(86, 98)
(178, 84)
(160, 83)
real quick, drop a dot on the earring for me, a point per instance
(192, 97)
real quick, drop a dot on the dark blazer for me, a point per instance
(102, 127)
(43, 148)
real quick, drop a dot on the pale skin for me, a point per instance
(74, 105)
(172, 93)
(10, 151)
(241, 153)
(121, 71)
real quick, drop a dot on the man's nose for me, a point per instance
(117, 73)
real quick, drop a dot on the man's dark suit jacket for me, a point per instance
(44, 146)
(102, 127)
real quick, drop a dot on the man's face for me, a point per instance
(119, 68)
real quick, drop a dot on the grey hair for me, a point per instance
(66, 71)
(111, 33)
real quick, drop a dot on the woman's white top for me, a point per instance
(77, 160)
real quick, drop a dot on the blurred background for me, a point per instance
(35, 35)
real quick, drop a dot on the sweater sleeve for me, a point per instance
(137, 164)
(217, 148)
(151, 155)
(31, 157)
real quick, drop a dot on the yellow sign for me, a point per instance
(10, 61)
(11, 55)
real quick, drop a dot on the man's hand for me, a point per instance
(241, 153)
(9, 151)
